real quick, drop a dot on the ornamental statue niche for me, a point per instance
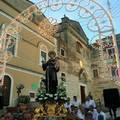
(51, 67)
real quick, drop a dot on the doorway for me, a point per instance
(82, 90)
(5, 90)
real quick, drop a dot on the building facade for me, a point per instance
(74, 53)
(101, 82)
(29, 50)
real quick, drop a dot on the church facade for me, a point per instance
(74, 53)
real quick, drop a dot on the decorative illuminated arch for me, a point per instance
(100, 22)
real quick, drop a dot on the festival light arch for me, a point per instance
(100, 22)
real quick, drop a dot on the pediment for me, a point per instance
(77, 27)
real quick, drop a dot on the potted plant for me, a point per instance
(22, 102)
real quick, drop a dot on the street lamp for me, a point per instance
(19, 88)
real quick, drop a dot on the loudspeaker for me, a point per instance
(111, 97)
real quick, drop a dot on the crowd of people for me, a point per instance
(86, 111)
(17, 116)
(75, 111)
(74, 108)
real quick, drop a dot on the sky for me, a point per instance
(114, 8)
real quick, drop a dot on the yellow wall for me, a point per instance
(25, 66)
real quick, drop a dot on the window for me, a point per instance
(43, 54)
(12, 49)
(62, 52)
(43, 57)
(11, 40)
(95, 73)
(63, 76)
(78, 47)
(111, 56)
(110, 52)
(11, 46)
(114, 71)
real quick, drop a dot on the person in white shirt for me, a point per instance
(68, 104)
(100, 112)
(77, 113)
(89, 103)
(76, 102)
(81, 112)
(94, 112)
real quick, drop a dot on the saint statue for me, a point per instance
(51, 67)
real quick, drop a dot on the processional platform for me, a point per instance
(50, 110)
